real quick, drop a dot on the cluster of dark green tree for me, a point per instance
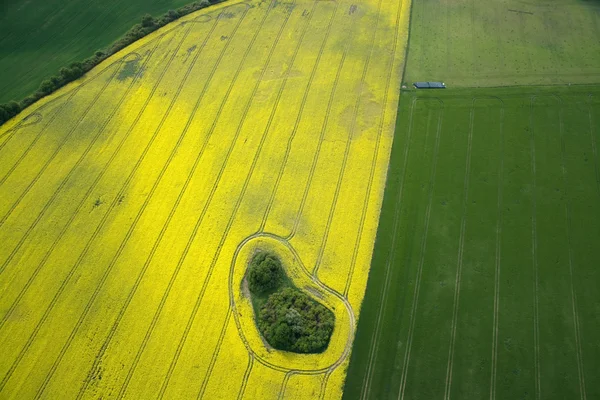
(77, 69)
(288, 318)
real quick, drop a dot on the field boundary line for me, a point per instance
(88, 245)
(536, 322)
(459, 261)
(213, 359)
(357, 244)
(351, 133)
(100, 353)
(64, 140)
(324, 382)
(473, 38)
(286, 378)
(375, 154)
(372, 357)
(413, 315)
(523, 35)
(498, 260)
(593, 139)
(320, 141)
(570, 252)
(298, 118)
(247, 373)
(74, 214)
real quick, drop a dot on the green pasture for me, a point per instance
(484, 281)
(37, 37)
(504, 42)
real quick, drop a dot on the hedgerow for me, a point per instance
(76, 70)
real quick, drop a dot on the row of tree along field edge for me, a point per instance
(287, 318)
(76, 70)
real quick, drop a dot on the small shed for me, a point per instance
(430, 85)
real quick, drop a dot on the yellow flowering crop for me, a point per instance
(131, 200)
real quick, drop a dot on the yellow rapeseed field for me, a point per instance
(131, 200)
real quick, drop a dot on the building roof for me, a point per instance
(429, 85)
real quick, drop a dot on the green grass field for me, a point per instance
(483, 282)
(37, 38)
(505, 42)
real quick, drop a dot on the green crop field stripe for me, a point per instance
(413, 314)
(459, 262)
(593, 140)
(138, 216)
(107, 341)
(498, 257)
(513, 356)
(536, 320)
(82, 255)
(574, 305)
(374, 342)
(351, 133)
(65, 228)
(375, 155)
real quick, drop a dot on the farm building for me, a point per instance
(430, 85)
